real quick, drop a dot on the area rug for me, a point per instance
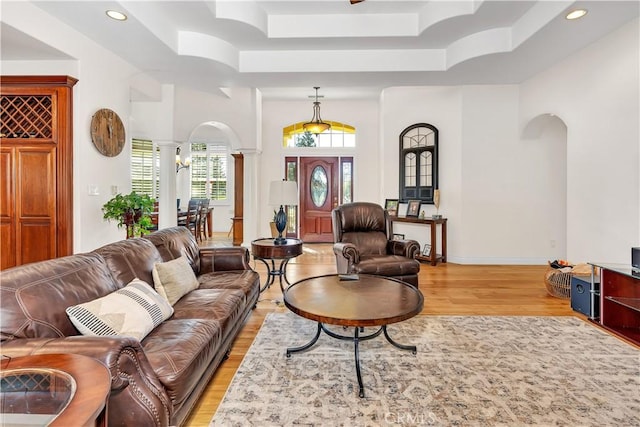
(468, 371)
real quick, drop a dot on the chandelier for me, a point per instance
(316, 125)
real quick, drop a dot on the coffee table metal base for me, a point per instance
(356, 340)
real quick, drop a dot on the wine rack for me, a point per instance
(26, 116)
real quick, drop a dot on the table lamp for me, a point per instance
(282, 193)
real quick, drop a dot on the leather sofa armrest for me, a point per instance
(137, 397)
(224, 259)
(406, 248)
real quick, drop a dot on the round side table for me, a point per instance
(268, 252)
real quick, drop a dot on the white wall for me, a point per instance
(237, 111)
(440, 107)
(596, 93)
(490, 191)
(510, 206)
(570, 192)
(102, 83)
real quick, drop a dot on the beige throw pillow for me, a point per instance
(132, 311)
(174, 279)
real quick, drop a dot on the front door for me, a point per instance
(319, 194)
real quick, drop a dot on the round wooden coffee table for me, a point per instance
(356, 301)
(268, 252)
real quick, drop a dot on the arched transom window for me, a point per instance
(339, 135)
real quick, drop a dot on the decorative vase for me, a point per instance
(436, 203)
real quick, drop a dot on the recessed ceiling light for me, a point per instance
(576, 14)
(118, 16)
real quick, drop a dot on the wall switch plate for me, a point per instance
(93, 190)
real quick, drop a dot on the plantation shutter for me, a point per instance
(218, 176)
(198, 171)
(209, 171)
(143, 172)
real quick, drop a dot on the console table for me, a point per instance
(433, 257)
(619, 300)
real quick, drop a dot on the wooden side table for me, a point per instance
(26, 379)
(268, 252)
(433, 256)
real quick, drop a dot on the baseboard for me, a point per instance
(497, 260)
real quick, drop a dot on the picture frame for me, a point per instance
(391, 206)
(426, 251)
(413, 208)
(402, 209)
(397, 236)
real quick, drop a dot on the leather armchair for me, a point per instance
(364, 244)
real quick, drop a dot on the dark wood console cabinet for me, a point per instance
(620, 300)
(36, 168)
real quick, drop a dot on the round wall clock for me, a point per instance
(107, 132)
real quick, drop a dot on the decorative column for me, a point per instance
(167, 209)
(250, 196)
(238, 199)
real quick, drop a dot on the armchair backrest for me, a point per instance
(364, 224)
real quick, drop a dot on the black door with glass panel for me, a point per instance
(418, 162)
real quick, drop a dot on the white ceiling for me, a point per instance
(350, 51)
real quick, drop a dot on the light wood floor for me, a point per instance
(449, 289)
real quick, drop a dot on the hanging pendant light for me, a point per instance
(316, 125)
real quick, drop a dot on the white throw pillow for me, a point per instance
(174, 279)
(131, 311)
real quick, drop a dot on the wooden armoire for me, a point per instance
(36, 168)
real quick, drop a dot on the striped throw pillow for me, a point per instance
(131, 311)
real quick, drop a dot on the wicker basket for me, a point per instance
(558, 283)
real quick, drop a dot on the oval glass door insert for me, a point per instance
(318, 185)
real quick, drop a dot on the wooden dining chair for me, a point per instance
(203, 212)
(190, 220)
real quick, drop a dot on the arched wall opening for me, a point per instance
(218, 134)
(549, 134)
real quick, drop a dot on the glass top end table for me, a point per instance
(34, 396)
(56, 390)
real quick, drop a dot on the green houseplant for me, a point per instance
(132, 210)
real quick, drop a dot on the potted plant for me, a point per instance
(132, 210)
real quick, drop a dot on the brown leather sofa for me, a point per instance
(156, 381)
(363, 244)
